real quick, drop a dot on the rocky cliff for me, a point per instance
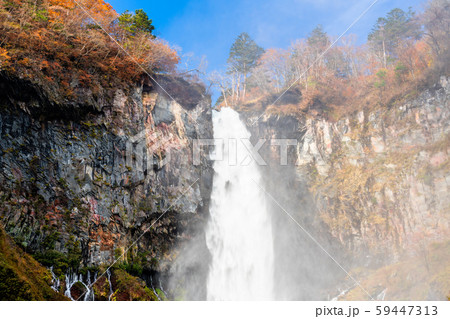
(83, 179)
(372, 187)
(109, 176)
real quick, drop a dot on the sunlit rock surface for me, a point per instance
(372, 188)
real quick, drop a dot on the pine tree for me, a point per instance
(318, 39)
(141, 22)
(135, 23)
(244, 54)
(389, 31)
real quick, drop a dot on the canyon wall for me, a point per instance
(90, 176)
(372, 187)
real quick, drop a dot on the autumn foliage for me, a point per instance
(345, 79)
(405, 52)
(67, 45)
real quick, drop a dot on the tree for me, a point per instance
(136, 23)
(141, 22)
(300, 61)
(338, 63)
(274, 66)
(244, 54)
(318, 39)
(318, 42)
(436, 20)
(390, 31)
(222, 82)
(349, 51)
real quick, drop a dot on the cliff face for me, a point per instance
(381, 180)
(373, 186)
(89, 178)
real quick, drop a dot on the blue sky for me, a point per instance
(208, 28)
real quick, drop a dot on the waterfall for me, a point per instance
(73, 278)
(56, 283)
(111, 292)
(89, 296)
(239, 233)
(161, 287)
(153, 288)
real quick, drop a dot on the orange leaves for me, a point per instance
(67, 4)
(160, 55)
(44, 65)
(69, 12)
(85, 78)
(58, 8)
(348, 91)
(151, 54)
(416, 56)
(26, 62)
(4, 58)
(50, 67)
(103, 13)
(3, 54)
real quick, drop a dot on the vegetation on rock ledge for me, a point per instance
(61, 45)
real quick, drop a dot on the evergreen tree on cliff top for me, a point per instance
(318, 39)
(135, 23)
(389, 31)
(244, 54)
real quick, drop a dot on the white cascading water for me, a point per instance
(56, 283)
(111, 292)
(239, 233)
(72, 279)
